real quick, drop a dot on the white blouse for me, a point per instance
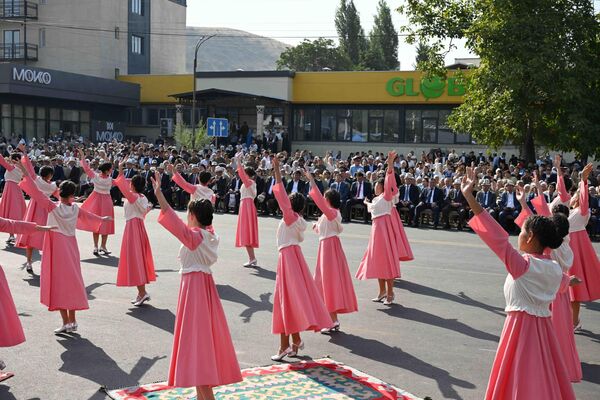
(248, 192)
(291, 235)
(14, 175)
(200, 259)
(203, 193)
(326, 228)
(577, 222)
(65, 218)
(380, 207)
(139, 209)
(102, 185)
(48, 188)
(563, 255)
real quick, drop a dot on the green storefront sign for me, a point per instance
(429, 88)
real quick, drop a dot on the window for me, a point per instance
(328, 125)
(344, 125)
(117, 73)
(360, 125)
(137, 44)
(152, 116)
(135, 116)
(137, 7)
(413, 126)
(11, 44)
(304, 124)
(445, 134)
(391, 126)
(117, 32)
(42, 38)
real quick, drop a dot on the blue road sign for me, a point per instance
(217, 127)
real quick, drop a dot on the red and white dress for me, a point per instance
(585, 260)
(562, 317)
(136, 265)
(404, 249)
(332, 275)
(34, 212)
(12, 203)
(197, 192)
(297, 304)
(246, 234)
(203, 352)
(382, 257)
(61, 282)
(100, 202)
(11, 331)
(529, 362)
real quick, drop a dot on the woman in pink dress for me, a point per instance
(529, 362)
(203, 354)
(585, 260)
(297, 305)
(136, 265)
(61, 282)
(11, 331)
(332, 275)
(404, 250)
(34, 212)
(12, 203)
(562, 319)
(246, 234)
(382, 257)
(197, 192)
(100, 201)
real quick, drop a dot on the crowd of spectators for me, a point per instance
(429, 183)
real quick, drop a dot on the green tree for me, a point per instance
(353, 41)
(184, 137)
(423, 55)
(314, 56)
(540, 69)
(382, 54)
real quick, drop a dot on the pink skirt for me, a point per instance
(586, 267)
(136, 265)
(11, 331)
(404, 251)
(333, 279)
(562, 320)
(203, 352)
(61, 282)
(36, 214)
(101, 205)
(382, 257)
(297, 305)
(247, 226)
(12, 203)
(528, 363)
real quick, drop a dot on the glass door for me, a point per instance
(430, 126)
(11, 40)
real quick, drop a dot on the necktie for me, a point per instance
(485, 202)
(431, 197)
(358, 191)
(406, 198)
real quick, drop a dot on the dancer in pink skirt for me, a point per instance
(12, 203)
(562, 319)
(197, 192)
(528, 363)
(585, 260)
(332, 275)
(404, 250)
(61, 282)
(100, 202)
(246, 234)
(34, 212)
(136, 265)
(11, 331)
(297, 305)
(203, 355)
(382, 257)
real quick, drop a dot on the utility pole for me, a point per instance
(202, 40)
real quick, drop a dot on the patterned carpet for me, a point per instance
(316, 379)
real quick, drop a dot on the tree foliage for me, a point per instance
(184, 137)
(423, 56)
(382, 54)
(314, 56)
(353, 42)
(540, 69)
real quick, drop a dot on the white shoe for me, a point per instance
(334, 328)
(578, 327)
(379, 298)
(281, 356)
(388, 301)
(63, 329)
(251, 264)
(104, 251)
(73, 327)
(142, 300)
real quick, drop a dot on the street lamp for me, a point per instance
(202, 40)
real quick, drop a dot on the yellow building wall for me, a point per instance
(158, 88)
(371, 88)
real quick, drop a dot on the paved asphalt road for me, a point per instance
(439, 342)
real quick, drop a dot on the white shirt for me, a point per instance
(577, 222)
(290, 235)
(248, 192)
(48, 188)
(65, 218)
(203, 193)
(139, 209)
(326, 228)
(380, 207)
(203, 257)
(295, 186)
(510, 200)
(102, 185)
(13, 175)
(563, 255)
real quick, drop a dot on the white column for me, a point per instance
(260, 117)
(178, 114)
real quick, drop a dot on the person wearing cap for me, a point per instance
(486, 198)
(408, 197)
(509, 206)
(356, 166)
(455, 201)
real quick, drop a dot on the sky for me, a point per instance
(290, 21)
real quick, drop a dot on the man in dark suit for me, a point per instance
(266, 198)
(115, 193)
(455, 201)
(359, 191)
(74, 174)
(409, 197)
(486, 198)
(342, 187)
(509, 206)
(232, 199)
(181, 196)
(165, 185)
(594, 212)
(432, 199)
(297, 184)
(59, 171)
(220, 187)
(147, 173)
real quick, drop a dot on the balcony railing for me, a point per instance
(18, 9)
(18, 52)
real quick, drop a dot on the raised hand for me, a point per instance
(170, 168)
(391, 158)
(20, 166)
(557, 162)
(520, 194)
(587, 170)
(468, 182)
(156, 182)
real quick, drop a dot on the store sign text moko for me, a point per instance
(430, 88)
(31, 76)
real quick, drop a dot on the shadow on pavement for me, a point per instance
(461, 298)
(84, 359)
(32, 280)
(381, 352)
(591, 372)
(109, 261)
(89, 289)
(5, 393)
(584, 332)
(263, 273)
(162, 319)
(18, 250)
(595, 306)
(423, 317)
(232, 294)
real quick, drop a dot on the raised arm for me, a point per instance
(123, 184)
(84, 164)
(317, 197)
(6, 164)
(390, 186)
(27, 163)
(182, 183)
(29, 186)
(189, 237)
(289, 216)
(560, 181)
(87, 221)
(584, 195)
(243, 175)
(19, 227)
(525, 210)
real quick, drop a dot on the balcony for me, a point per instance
(18, 52)
(18, 10)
